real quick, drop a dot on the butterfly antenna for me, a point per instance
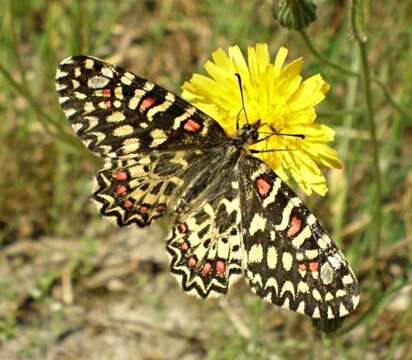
(239, 79)
(301, 136)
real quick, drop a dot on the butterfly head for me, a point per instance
(249, 133)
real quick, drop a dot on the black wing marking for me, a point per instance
(291, 261)
(118, 114)
(143, 188)
(205, 245)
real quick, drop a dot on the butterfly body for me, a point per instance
(231, 214)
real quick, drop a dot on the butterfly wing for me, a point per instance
(141, 189)
(141, 131)
(117, 113)
(290, 260)
(205, 245)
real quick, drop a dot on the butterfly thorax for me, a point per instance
(247, 135)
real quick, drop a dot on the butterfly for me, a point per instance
(231, 215)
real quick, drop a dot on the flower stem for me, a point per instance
(361, 39)
(348, 72)
(315, 52)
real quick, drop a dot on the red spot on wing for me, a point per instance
(182, 228)
(161, 208)
(191, 126)
(263, 186)
(191, 262)
(295, 226)
(184, 246)
(206, 268)
(146, 103)
(220, 267)
(313, 266)
(143, 208)
(128, 203)
(106, 92)
(121, 175)
(121, 189)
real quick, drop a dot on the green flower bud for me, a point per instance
(295, 14)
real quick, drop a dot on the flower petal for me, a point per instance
(313, 132)
(280, 60)
(310, 93)
(289, 78)
(276, 95)
(239, 63)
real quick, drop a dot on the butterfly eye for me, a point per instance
(254, 135)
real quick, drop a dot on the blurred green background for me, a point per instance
(73, 286)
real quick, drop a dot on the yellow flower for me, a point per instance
(277, 95)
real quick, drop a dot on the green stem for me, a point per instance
(391, 100)
(315, 52)
(366, 79)
(386, 92)
(16, 43)
(340, 198)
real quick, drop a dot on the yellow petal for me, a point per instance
(289, 78)
(313, 132)
(310, 93)
(222, 60)
(239, 63)
(280, 60)
(262, 56)
(301, 117)
(275, 94)
(311, 177)
(325, 155)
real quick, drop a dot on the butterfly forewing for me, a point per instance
(291, 261)
(118, 114)
(140, 129)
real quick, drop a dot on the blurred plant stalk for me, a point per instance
(297, 15)
(357, 17)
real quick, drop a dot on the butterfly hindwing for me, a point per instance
(290, 260)
(118, 114)
(205, 246)
(143, 188)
